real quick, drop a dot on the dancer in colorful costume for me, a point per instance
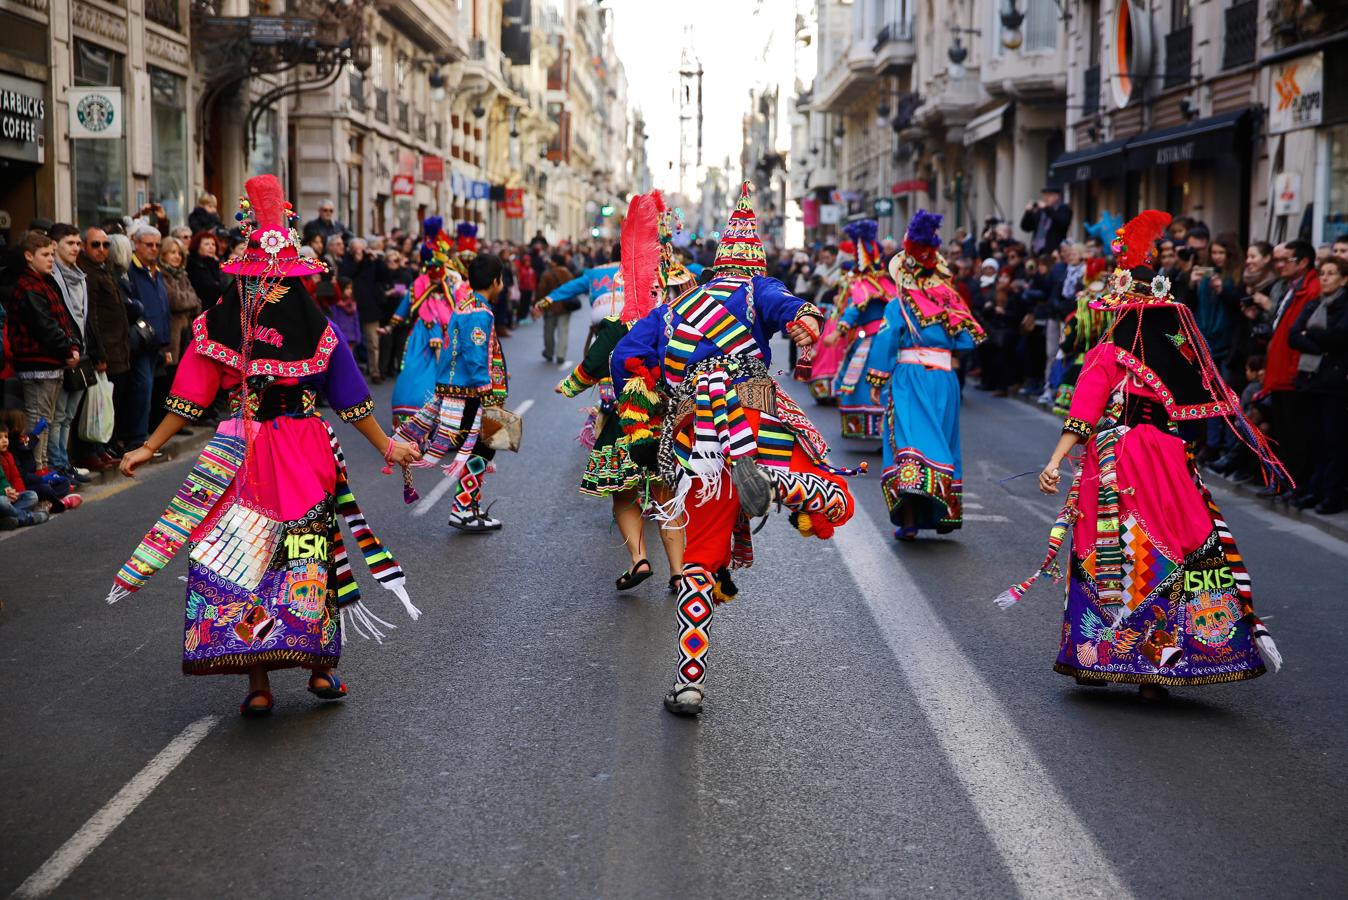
(610, 472)
(859, 313)
(732, 439)
(470, 378)
(428, 306)
(601, 284)
(1157, 593)
(911, 371)
(1081, 330)
(269, 585)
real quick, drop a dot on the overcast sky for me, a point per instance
(729, 37)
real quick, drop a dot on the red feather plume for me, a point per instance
(641, 254)
(267, 201)
(1138, 238)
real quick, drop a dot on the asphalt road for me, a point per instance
(875, 727)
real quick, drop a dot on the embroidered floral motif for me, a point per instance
(184, 407)
(359, 411)
(1078, 426)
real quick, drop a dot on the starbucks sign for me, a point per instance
(23, 115)
(95, 112)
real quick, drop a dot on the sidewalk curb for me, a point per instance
(113, 482)
(1335, 526)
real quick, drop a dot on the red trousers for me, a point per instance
(711, 525)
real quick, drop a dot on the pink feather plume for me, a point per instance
(641, 254)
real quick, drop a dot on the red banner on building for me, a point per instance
(809, 212)
(432, 169)
(514, 203)
(912, 186)
(404, 185)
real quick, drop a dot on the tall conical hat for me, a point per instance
(741, 249)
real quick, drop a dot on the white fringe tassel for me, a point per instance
(117, 593)
(400, 590)
(1269, 650)
(358, 614)
(1006, 599)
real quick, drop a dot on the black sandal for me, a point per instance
(631, 578)
(674, 583)
(680, 703)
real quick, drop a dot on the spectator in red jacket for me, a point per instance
(1292, 410)
(41, 338)
(16, 501)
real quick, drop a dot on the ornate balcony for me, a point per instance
(894, 47)
(1179, 56)
(1242, 34)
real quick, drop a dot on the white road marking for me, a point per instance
(95, 831)
(984, 517)
(1047, 849)
(426, 503)
(974, 506)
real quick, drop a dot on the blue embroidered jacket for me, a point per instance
(596, 282)
(471, 364)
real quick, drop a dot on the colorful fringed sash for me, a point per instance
(210, 477)
(703, 316)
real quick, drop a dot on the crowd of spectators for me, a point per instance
(1275, 318)
(114, 302)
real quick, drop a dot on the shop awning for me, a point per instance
(1208, 138)
(1096, 161)
(985, 125)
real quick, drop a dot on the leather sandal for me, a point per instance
(635, 575)
(684, 700)
(334, 690)
(248, 709)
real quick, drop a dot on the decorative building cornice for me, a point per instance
(99, 22)
(27, 7)
(166, 49)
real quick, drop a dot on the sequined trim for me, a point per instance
(1078, 426)
(1152, 678)
(184, 407)
(286, 368)
(1177, 411)
(357, 412)
(267, 659)
(877, 377)
(455, 390)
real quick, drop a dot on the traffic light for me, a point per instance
(594, 232)
(606, 210)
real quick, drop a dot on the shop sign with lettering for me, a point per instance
(1297, 94)
(23, 116)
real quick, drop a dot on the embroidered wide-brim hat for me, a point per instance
(1133, 285)
(267, 220)
(921, 248)
(741, 249)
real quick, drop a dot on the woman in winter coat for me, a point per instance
(203, 268)
(184, 304)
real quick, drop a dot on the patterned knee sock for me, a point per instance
(693, 614)
(469, 489)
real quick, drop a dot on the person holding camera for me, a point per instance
(1048, 219)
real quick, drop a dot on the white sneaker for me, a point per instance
(83, 473)
(468, 522)
(492, 524)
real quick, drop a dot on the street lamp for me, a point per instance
(958, 53)
(437, 81)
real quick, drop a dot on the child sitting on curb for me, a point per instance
(16, 501)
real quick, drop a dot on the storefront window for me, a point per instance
(99, 165)
(1336, 204)
(168, 116)
(262, 151)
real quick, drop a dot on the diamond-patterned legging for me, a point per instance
(468, 492)
(693, 614)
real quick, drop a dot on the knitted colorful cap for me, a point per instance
(273, 251)
(865, 248)
(1133, 246)
(741, 249)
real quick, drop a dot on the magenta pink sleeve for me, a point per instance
(1100, 374)
(195, 384)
